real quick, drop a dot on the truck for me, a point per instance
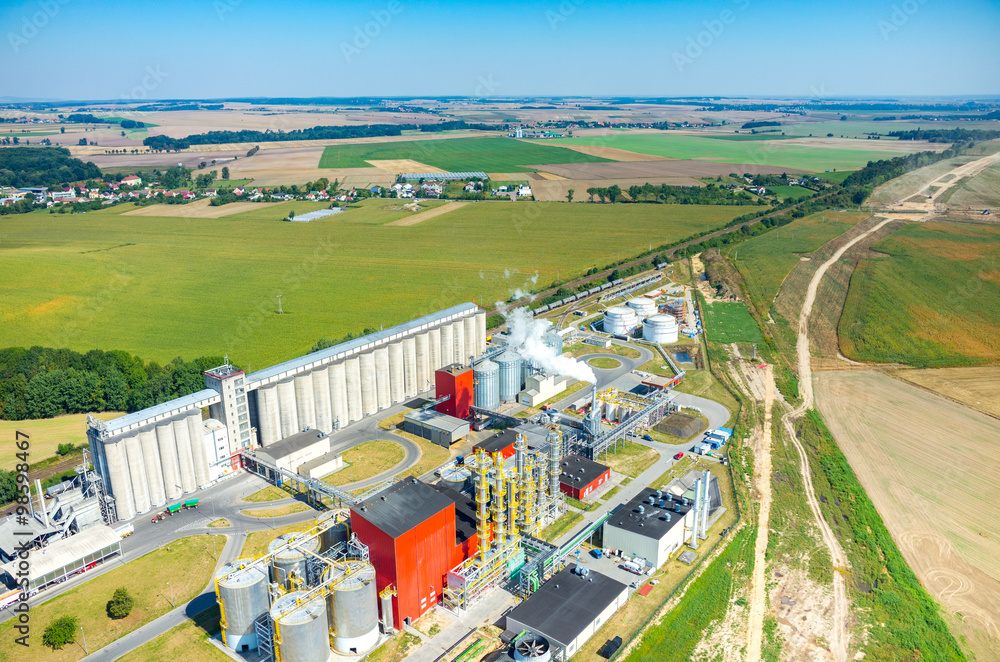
(125, 530)
(632, 567)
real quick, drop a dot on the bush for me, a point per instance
(65, 449)
(60, 632)
(121, 603)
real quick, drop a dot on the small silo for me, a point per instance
(486, 389)
(660, 329)
(619, 320)
(352, 607)
(509, 364)
(339, 532)
(457, 478)
(301, 627)
(284, 562)
(643, 307)
(242, 595)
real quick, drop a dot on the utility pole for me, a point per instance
(84, 635)
(280, 312)
(172, 603)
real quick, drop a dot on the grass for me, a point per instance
(456, 154)
(280, 511)
(378, 211)
(187, 641)
(791, 192)
(563, 523)
(366, 460)
(256, 543)
(581, 505)
(269, 493)
(227, 183)
(221, 522)
(604, 362)
(396, 649)
(775, 153)
(162, 288)
(575, 387)
(432, 456)
(46, 435)
(630, 459)
(610, 493)
(932, 303)
(766, 259)
(582, 349)
(186, 563)
(729, 322)
(704, 383)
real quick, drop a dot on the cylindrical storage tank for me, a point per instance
(382, 386)
(369, 390)
(397, 382)
(447, 346)
(137, 474)
(352, 388)
(168, 460)
(185, 463)
(269, 414)
(486, 388)
(457, 478)
(620, 320)
(434, 354)
(243, 594)
(121, 484)
(409, 367)
(321, 394)
(154, 474)
(304, 627)
(611, 412)
(480, 332)
(643, 307)
(288, 414)
(471, 346)
(286, 561)
(660, 329)
(338, 394)
(424, 374)
(353, 607)
(509, 364)
(305, 405)
(458, 332)
(196, 431)
(338, 533)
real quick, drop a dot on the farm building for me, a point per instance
(436, 427)
(581, 476)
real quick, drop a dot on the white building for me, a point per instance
(539, 388)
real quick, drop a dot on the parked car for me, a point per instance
(597, 553)
(679, 455)
(647, 437)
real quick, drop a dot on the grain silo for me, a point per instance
(241, 591)
(447, 345)
(660, 329)
(268, 414)
(321, 391)
(471, 342)
(286, 407)
(486, 385)
(620, 320)
(510, 369)
(286, 561)
(338, 395)
(396, 383)
(409, 367)
(458, 331)
(168, 461)
(196, 431)
(303, 626)
(434, 354)
(305, 404)
(154, 473)
(424, 372)
(480, 332)
(643, 307)
(352, 389)
(382, 377)
(121, 485)
(137, 473)
(352, 606)
(185, 463)
(369, 399)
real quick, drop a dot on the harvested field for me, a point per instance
(980, 192)
(198, 209)
(614, 153)
(420, 217)
(977, 388)
(554, 188)
(931, 468)
(396, 166)
(646, 170)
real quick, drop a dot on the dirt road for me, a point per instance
(762, 480)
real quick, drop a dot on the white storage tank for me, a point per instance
(643, 307)
(352, 607)
(304, 627)
(620, 320)
(242, 593)
(660, 329)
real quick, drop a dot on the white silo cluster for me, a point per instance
(620, 320)
(643, 307)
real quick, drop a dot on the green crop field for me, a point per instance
(163, 287)
(776, 153)
(791, 192)
(933, 303)
(728, 321)
(765, 260)
(836, 177)
(456, 154)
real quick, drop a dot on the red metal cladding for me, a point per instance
(580, 491)
(457, 383)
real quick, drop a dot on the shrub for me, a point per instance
(60, 632)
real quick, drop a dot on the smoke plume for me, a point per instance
(524, 335)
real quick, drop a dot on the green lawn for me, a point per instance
(791, 192)
(163, 287)
(776, 153)
(456, 154)
(366, 460)
(727, 322)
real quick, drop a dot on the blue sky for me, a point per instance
(92, 49)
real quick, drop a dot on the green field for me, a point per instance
(933, 303)
(456, 154)
(777, 153)
(728, 322)
(835, 177)
(765, 260)
(166, 286)
(791, 192)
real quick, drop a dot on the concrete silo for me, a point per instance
(168, 460)
(382, 377)
(196, 432)
(369, 399)
(352, 388)
(447, 346)
(268, 414)
(480, 332)
(424, 373)
(185, 463)
(396, 381)
(290, 562)
(352, 607)
(338, 394)
(409, 367)
(509, 364)
(458, 331)
(304, 627)
(321, 394)
(286, 409)
(121, 484)
(137, 473)
(154, 474)
(305, 404)
(471, 342)
(486, 389)
(433, 353)
(241, 591)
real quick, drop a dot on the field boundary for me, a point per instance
(427, 215)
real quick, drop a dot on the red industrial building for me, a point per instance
(501, 442)
(455, 381)
(581, 476)
(415, 534)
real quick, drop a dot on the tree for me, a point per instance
(591, 192)
(123, 134)
(60, 632)
(291, 215)
(65, 449)
(225, 172)
(62, 129)
(121, 603)
(569, 195)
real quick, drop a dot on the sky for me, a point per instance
(173, 49)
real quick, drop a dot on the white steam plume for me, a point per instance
(524, 336)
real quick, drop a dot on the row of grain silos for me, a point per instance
(151, 466)
(334, 395)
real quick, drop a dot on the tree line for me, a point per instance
(43, 166)
(946, 135)
(711, 194)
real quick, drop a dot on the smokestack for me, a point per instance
(41, 501)
(695, 510)
(705, 506)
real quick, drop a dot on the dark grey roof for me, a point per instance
(579, 471)
(498, 442)
(465, 512)
(652, 523)
(296, 442)
(397, 509)
(567, 604)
